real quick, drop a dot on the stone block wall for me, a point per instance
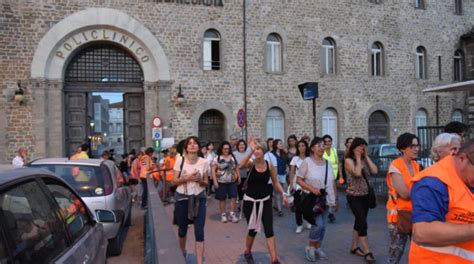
(302, 25)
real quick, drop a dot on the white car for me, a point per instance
(102, 187)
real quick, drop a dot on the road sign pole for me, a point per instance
(314, 117)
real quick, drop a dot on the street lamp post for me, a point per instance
(91, 135)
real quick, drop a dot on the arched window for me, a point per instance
(211, 50)
(275, 121)
(420, 62)
(377, 59)
(330, 125)
(458, 66)
(273, 53)
(328, 56)
(457, 116)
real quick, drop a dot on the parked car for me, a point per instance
(101, 185)
(43, 220)
(382, 155)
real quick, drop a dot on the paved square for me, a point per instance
(224, 243)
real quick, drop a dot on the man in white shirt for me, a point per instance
(21, 157)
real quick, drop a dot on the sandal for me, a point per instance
(357, 251)
(369, 258)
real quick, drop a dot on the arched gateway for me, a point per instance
(96, 50)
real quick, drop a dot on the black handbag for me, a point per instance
(313, 205)
(371, 198)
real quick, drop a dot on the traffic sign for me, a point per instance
(309, 90)
(241, 118)
(157, 145)
(156, 122)
(157, 133)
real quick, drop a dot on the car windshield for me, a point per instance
(390, 150)
(88, 181)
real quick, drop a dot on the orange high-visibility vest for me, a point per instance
(395, 203)
(169, 164)
(460, 211)
(146, 166)
(135, 169)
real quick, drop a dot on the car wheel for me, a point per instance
(115, 245)
(128, 222)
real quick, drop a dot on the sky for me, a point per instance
(113, 97)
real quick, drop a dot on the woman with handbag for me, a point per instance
(257, 205)
(226, 178)
(190, 177)
(317, 180)
(399, 207)
(302, 152)
(360, 196)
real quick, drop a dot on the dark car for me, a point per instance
(43, 220)
(100, 184)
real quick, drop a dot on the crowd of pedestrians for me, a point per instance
(432, 207)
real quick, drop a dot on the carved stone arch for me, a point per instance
(219, 106)
(47, 65)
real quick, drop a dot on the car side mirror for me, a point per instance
(105, 216)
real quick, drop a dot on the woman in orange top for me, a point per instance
(400, 173)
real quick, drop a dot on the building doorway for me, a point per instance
(212, 127)
(103, 86)
(379, 128)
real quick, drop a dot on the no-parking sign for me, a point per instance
(241, 118)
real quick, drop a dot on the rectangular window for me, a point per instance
(420, 67)
(327, 54)
(419, 4)
(273, 57)
(457, 69)
(376, 63)
(458, 7)
(440, 70)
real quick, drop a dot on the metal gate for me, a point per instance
(102, 67)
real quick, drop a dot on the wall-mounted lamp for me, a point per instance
(19, 94)
(180, 97)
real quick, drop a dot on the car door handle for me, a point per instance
(86, 259)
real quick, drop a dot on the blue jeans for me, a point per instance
(316, 234)
(182, 219)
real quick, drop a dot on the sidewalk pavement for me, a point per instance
(224, 242)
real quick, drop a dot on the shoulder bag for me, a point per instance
(313, 205)
(372, 199)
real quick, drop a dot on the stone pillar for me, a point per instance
(151, 109)
(55, 119)
(39, 87)
(165, 107)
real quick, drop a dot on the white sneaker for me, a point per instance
(233, 218)
(320, 254)
(310, 254)
(299, 229)
(308, 226)
(223, 218)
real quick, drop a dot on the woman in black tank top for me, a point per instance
(257, 205)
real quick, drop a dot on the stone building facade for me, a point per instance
(39, 39)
